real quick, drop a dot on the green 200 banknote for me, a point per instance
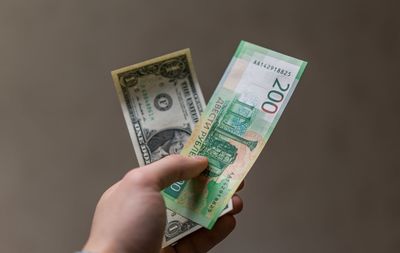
(234, 128)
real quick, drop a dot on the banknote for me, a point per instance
(234, 128)
(161, 101)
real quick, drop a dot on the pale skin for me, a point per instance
(130, 217)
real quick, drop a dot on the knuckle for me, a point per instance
(136, 178)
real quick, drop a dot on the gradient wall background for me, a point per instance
(328, 180)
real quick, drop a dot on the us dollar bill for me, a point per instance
(234, 128)
(161, 101)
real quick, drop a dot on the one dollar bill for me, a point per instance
(161, 101)
(234, 128)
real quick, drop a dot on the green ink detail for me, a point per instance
(239, 50)
(173, 193)
(301, 70)
(231, 124)
(216, 192)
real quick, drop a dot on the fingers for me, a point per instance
(203, 240)
(237, 205)
(171, 169)
(237, 202)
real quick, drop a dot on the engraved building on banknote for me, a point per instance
(231, 124)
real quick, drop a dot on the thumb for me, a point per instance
(173, 168)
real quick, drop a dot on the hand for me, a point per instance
(203, 240)
(130, 216)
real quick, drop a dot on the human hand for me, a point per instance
(130, 216)
(203, 240)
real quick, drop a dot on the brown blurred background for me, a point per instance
(328, 180)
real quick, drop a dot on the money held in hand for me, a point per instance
(234, 128)
(161, 101)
